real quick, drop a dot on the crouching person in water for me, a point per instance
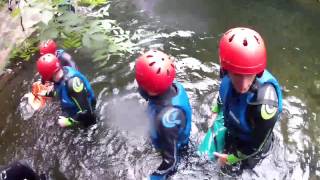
(249, 96)
(168, 108)
(19, 171)
(74, 90)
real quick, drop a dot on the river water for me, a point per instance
(117, 147)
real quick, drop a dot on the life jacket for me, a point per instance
(235, 105)
(67, 104)
(181, 101)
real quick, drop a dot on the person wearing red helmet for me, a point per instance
(74, 90)
(249, 97)
(169, 109)
(50, 46)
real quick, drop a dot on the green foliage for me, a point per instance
(71, 40)
(16, 12)
(103, 37)
(91, 2)
(25, 51)
(2, 3)
(98, 35)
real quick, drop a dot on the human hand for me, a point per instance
(64, 122)
(39, 89)
(222, 158)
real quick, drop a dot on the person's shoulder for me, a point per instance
(75, 84)
(267, 94)
(267, 99)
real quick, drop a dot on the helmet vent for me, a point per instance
(158, 70)
(245, 42)
(151, 64)
(168, 72)
(172, 65)
(231, 38)
(162, 59)
(149, 56)
(256, 39)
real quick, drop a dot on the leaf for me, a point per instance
(99, 52)
(70, 19)
(51, 33)
(102, 57)
(72, 40)
(16, 12)
(46, 16)
(91, 2)
(86, 40)
(95, 41)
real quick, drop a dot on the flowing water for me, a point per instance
(117, 147)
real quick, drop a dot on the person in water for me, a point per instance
(50, 46)
(19, 171)
(74, 90)
(249, 96)
(169, 109)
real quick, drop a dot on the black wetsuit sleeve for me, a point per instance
(169, 123)
(262, 115)
(79, 95)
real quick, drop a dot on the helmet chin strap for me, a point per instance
(254, 86)
(222, 73)
(260, 74)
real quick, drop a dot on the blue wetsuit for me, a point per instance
(76, 96)
(170, 117)
(250, 117)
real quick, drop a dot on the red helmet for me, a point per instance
(47, 65)
(242, 51)
(48, 46)
(155, 71)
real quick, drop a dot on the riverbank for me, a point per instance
(14, 30)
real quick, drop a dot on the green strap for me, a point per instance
(71, 121)
(232, 159)
(76, 102)
(215, 108)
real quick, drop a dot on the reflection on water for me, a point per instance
(117, 147)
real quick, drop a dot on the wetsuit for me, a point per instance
(250, 118)
(76, 97)
(170, 118)
(65, 59)
(19, 171)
